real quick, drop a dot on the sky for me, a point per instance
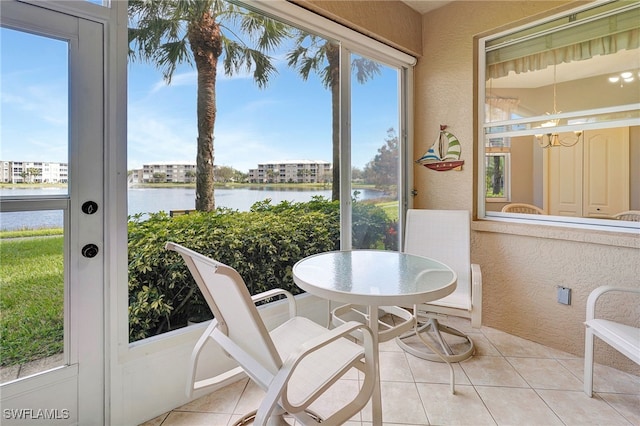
(289, 120)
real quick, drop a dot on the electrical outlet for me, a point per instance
(564, 295)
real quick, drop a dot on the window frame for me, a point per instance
(482, 127)
(352, 42)
(506, 198)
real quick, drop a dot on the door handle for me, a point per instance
(90, 250)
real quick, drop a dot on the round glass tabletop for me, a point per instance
(374, 277)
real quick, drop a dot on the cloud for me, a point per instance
(181, 79)
(35, 123)
(154, 138)
(190, 78)
(243, 150)
(33, 102)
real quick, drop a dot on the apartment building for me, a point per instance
(164, 172)
(291, 171)
(33, 172)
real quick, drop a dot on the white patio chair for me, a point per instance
(444, 235)
(294, 364)
(624, 338)
(631, 215)
(522, 208)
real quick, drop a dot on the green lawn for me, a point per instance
(31, 298)
(391, 209)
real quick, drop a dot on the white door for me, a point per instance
(590, 179)
(52, 75)
(564, 180)
(606, 172)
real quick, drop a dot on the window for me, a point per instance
(560, 116)
(328, 122)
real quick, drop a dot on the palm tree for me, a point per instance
(168, 33)
(316, 54)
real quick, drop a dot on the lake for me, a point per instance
(146, 200)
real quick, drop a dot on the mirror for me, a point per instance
(562, 114)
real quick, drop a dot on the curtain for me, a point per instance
(577, 52)
(536, 50)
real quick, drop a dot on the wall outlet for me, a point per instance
(564, 295)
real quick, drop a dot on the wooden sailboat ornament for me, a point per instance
(444, 154)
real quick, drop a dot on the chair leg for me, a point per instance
(588, 362)
(434, 330)
(443, 358)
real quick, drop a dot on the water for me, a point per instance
(146, 200)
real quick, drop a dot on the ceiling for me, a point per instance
(424, 6)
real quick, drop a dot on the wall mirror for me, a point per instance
(560, 115)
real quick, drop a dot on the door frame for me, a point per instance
(75, 392)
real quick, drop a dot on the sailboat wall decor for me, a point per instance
(444, 154)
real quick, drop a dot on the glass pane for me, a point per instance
(272, 144)
(33, 165)
(496, 176)
(31, 292)
(374, 154)
(34, 113)
(566, 96)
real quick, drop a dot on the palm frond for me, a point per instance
(267, 33)
(239, 58)
(365, 69)
(310, 55)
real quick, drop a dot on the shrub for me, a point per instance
(262, 244)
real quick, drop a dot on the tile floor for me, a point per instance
(509, 381)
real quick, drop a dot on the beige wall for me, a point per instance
(521, 264)
(372, 19)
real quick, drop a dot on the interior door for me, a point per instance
(564, 172)
(606, 172)
(52, 64)
(590, 179)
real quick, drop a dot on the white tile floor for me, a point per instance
(509, 381)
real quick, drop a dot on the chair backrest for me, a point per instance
(443, 235)
(631, 215)
(227, 296)
(522, 208)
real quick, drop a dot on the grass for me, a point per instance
(31, 299)
(25, 233)
(391, 209)
(32, 292)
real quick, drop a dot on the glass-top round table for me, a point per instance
(374, 278)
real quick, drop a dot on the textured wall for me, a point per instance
(372, 18)
(521, 264)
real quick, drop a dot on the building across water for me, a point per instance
(164, 172)
(33, 172)
(292, 171)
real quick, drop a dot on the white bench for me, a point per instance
(624, 338)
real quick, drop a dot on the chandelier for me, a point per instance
(549, 138)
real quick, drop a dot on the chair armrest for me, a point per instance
(476, 296)
(279, 383)
(315, 343)
(293, 309)
(324, 339)
(599, 291)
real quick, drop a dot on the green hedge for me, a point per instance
(262, 245)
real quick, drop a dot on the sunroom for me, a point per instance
(533, 127)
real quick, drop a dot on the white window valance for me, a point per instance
(574, 41)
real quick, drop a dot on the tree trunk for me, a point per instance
(497, 176)
(333, 57)
(205, 40)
